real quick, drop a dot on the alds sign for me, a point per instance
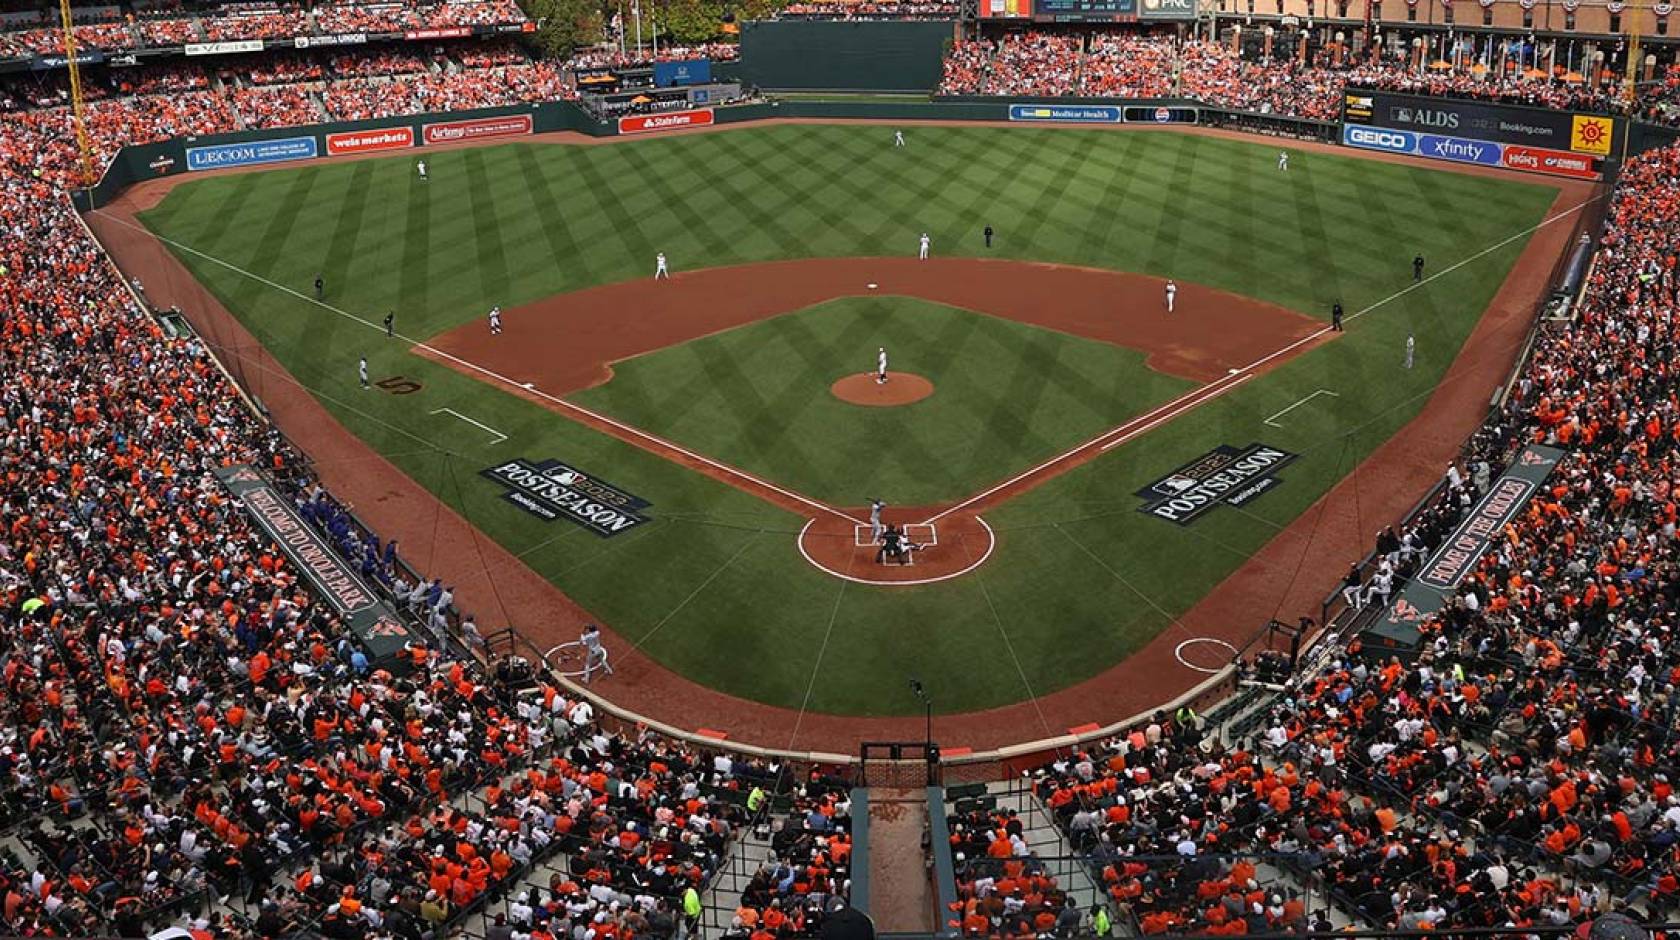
(1226, 475)
(552, 490)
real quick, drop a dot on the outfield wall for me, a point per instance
(850, 55)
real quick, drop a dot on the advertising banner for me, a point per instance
(1557, 163)
(1467, 150)
(257, 151)
(1483, 121)
(222, 48)
(1457, 557)
(446, 32)
(1162, 115)
(1167, 10)
(382, 634)
(383, 138)
(443, 132)
(643, 123)
(87, 57)
(1067, 113)
(342, 39)
(685, 72)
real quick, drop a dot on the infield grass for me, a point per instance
(714, 587)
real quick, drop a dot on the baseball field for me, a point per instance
(674, 456)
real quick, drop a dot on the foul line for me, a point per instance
(1247, 372)
(500, 437)
(1273, 419)
(475, 367)
(1128, 431)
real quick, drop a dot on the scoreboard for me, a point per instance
(1084, 9)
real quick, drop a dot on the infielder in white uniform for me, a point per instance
(1172, 294)
(1283, 160)
(421, 166)
(898, 138)
(924, 247)
(1411, 348)
(495, 321)
(881, 366)
(361, 370)
(659, 270)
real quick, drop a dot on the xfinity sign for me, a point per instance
(1461, 150)
(1376, 138)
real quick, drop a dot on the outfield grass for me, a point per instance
(1007, 396)
(714, 587)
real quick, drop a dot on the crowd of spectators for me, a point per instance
(1003, 887)
(871, 10)
(1157, 64)
(46, 40)
(612, 58)
(235, 21)
(1519, 772)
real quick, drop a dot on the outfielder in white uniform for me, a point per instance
(881, 366)
(924, 246)
(361, 370)
(659, 269)
(421, 166)
(495, 321)
(1172, 294)
(1411, 348)
(1283, 160)
(898, 138)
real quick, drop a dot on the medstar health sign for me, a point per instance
(553, 490)
(1227, 475)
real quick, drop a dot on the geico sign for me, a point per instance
(1397, 141)
(664, 122)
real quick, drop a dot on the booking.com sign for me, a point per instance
(1379, 138)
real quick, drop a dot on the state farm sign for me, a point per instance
(384, 138)
(445, 132)
(642, 123)
(1555, 162)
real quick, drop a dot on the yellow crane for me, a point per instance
(82, 148)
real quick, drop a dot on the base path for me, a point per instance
(900, 388)
(1288, 576)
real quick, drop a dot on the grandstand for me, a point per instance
(201, 733)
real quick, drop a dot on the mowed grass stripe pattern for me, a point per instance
(714, 587)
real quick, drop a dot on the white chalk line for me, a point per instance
(991, 544)
(1178, 652)
(1247, 370)
(500, 437)
(497, 376)
(1273, 419)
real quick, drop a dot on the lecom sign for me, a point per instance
(643, 123)
(384, 138)
(445, 132)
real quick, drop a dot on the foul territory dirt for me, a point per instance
(1287, 577)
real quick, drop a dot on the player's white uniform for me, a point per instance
(1411, 348)
(361, 369)
(495, 321)
(659, 270)
(898, 138)
(1283, 160)
(881, 366)
(1172, 294)
(421, 166)
(923, 253)
(875, 526)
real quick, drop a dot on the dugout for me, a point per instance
(845, 55)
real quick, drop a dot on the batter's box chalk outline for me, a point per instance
(861, 539)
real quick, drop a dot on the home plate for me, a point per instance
(872, 286)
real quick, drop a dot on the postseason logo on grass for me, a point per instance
(1227, 475)
(553, 490)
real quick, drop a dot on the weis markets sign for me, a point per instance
(1227, 475)
(553, 490)
(445, 132)
(384, 138)
(643, 123)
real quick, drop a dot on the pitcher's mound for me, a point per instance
(900, 388)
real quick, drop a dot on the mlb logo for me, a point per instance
(565, 476)
(1174, 485)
